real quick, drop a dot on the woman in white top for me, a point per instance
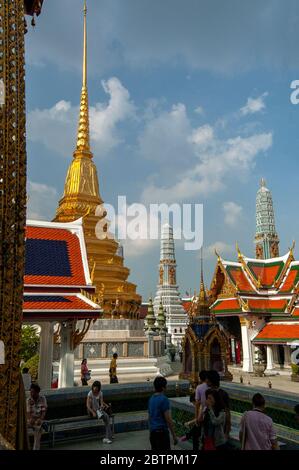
(96, 407)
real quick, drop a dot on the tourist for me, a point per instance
(36, 411)
(97, 408)
(200, 395)
(160, 422)
(85, 372)
(112, 370)
(26, 379)
(296, 409)
(213, 382)
(212, 429)
(256, 428)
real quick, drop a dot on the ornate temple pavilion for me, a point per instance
(260, 293)
(206, 342)
(58, 290)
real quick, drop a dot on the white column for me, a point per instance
(66, 366)
(270, 365)
(247, 349)
(45, 355)
(275, 355)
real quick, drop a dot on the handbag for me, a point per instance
(87, 376)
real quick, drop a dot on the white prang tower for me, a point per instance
(167, 291)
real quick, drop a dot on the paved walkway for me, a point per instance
(135, 440)
(278, 382)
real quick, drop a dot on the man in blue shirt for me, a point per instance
(160, 422)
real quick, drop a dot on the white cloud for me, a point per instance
(165, 135)
(254, 105)
(42, 201)
(104, 119)
(202, 136)
(210, 161)
(56, 127)
(221, 248)
(232, 212)
(199, 110)
(215, 36)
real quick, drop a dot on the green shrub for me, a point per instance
(295, 369)
(30, 342)
(32, 365)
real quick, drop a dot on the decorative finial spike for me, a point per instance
(83, 144)
(238, 250)
(263, 183)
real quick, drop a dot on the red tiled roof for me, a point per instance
(239, 278)
(277, 332)
(67, 302)
(40, 269)
(186, 305)
(58, 306)
(227, 306)
(271, 305)
(295, 312)
(267, 273)
(291, 279)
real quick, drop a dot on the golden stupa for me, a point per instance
(82, 198)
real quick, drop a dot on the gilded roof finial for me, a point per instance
(83, 129)
(238, 251)
(217, 254)
(291, 250)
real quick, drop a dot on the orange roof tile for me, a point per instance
(65, 302)
(226, 305)
(267, 273)
(291, 279)
(295, 312)
(277, 332)
(269, 305)
(239, 278)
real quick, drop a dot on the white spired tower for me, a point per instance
(176, 317)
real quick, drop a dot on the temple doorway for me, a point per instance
(281, 356)
(215, 356)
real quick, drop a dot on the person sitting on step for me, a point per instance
(96, 407)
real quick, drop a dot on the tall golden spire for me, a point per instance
(202, 291)
(81, 189)
(81, 198)
(83, 146)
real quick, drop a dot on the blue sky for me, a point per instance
(190, 103)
